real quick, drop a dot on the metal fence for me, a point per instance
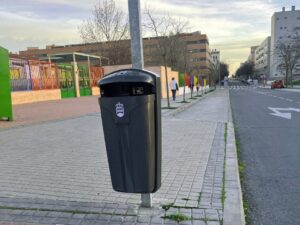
(20, 75)
(29, 75)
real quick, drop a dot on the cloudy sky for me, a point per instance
(231, 25)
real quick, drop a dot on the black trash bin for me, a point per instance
(131, 116)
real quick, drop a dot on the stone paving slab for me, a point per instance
(61, 168)
(61, 162)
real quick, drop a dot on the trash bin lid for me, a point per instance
(128, 76)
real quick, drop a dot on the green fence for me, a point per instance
(5, 95)
(84, 81)
(66, 79)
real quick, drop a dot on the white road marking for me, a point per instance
(285, 115)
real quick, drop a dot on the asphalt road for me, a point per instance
(270, 150)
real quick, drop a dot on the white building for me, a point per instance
(215, 56)
(284, 25)
(262, 59)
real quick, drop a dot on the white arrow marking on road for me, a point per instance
(286, 115)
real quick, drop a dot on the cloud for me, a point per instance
(22, 31)
(232, 26)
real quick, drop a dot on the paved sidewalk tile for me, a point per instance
(57, 172)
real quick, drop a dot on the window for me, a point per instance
(196, 50)
(197, 42)
(198, 59)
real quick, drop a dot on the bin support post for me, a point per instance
(137, 59)
(146, 200)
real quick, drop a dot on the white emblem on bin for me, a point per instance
(120, 109)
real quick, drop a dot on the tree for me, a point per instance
(224, 72)
(214, 69)
(167, 30)
(219, 71)
(108, 24)
(288, 54)
(183, 62)
(245, 70)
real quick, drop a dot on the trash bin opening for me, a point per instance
(127, 89)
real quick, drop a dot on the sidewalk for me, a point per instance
(57, 172)
(33, 113)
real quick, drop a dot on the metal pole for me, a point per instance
(137, 60)
(135, 34)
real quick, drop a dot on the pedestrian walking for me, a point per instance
(198, 87)
(174, 88)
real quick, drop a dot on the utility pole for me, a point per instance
(137, 60)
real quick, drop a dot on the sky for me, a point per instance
(232, 26)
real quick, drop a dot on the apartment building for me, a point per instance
(262, 59)
(118, 53)
(285, 25)
(251, 57)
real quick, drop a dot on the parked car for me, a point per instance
(250, 81)
(277, 84)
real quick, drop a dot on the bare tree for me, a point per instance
(198, 71)
(183, 62)
(214, 69)
(108, 24)
(167, 30)
(288, 55)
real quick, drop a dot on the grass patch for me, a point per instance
(199, 197)
(193, 98)
(166, 207)
(171, 107)
(177, 217)
(224, 168)
(241, 166)
(63, 211)
(184, 102)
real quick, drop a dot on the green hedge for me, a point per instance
(296, 82)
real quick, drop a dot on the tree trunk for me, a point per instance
(184, 86)
(286, 77)
(166, 76)
(291, 71)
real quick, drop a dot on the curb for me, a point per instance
(233, 205)
(187, 105)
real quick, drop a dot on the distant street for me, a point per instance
(268, 129)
